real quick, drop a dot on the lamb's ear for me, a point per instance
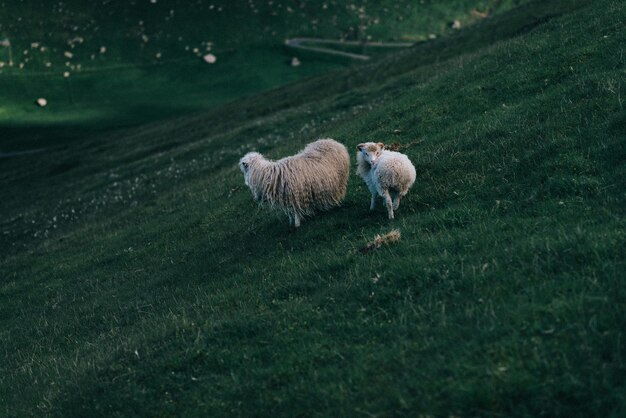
(381, 145)
(360, 147)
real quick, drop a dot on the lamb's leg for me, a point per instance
(296, 220)
(373, 202)
(396, 201)
(389, 204)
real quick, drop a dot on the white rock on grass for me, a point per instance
(41, 102)
(295, 62)
(210, 58)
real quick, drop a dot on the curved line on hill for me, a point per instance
(298, 44)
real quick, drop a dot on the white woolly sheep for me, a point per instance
(387, 173)
(313, 180)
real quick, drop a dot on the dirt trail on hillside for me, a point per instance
(298, 44)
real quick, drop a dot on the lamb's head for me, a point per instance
(247, 163)
(370, 151)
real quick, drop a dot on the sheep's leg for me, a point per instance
(396, 201)
(290, 219)
(389, 204)
(296, 220)
(373, 202)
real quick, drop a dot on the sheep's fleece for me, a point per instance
(313, 180)
(386, 173)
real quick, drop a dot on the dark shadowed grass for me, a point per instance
(139, 278)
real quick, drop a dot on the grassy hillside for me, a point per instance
(130, 62)
(139, 278)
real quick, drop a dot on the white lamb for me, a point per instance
(315, 179)
(387, 173)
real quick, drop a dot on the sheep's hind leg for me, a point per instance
(290, 219)
(396, 201)
(389, 204)
(373, 202)
(296, 220)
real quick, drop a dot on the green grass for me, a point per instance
(127, 84)
(138, 278)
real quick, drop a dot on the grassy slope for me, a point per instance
(129, 84)
(140, 278)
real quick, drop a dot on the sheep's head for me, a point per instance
(245, 164)
(370, 151)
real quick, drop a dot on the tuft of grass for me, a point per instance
(380, 240)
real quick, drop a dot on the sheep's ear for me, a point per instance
(381, 145)
(360, 147)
